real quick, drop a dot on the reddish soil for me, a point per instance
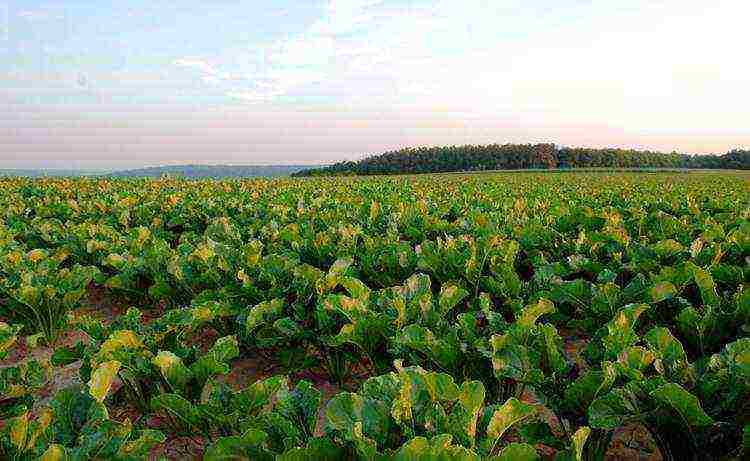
(101, 304)
(633, 442)
(180, 448)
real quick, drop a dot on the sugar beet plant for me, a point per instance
(40, 290)
(500, 317)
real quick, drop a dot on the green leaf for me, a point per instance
(667, 248)
(353, 308)
(671, 359)
(384, 387)
(140, 447)
(555, 358)
(8, 337)
(101, 440)
(264, 312)
(464, 418)
(66, 355)
(516, 452)
(696, 324)
(620, 330)
(334, 276)
(369, 333)
(685, 404)
(576, 293)
(358, 419)
(184, 413)
(441, 387)
(356, 288)
(438, 448)
(254, 397)
(416, 287)
(74, 408)
(612, 410)
(472, 395)
(319, 449)
(606, 276)
(735, 358)
(442, 350)
(512, 361)
(248, 447)
(173, 370)
(117, 342)
(300, 405)
(610, 373)
(216, 360)
(706, 285)
(288, 327)
(606, 300)
(584, 389)
(32, 341)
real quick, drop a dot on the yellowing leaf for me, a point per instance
(696, 247)
(204, 253)
(19, 430)
(661, 291)
(126, 339)
(33, 340)
(55, 452)
(36, 255)
(264, 312)
(29, 295)
(202, 314)
(339, 267)
(101, 379)
(14, 257)
(374, 211)
(43, 422)
(579, 441)
(532, 313)
(509, 414)
(8, 337)
(165, 360)
(401, 410)
(14, 391)
(114, 260)
(472, 398)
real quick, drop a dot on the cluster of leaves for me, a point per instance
(439, 306)
(75, 426)
(40, 291)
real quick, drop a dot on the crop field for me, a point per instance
(504, 316)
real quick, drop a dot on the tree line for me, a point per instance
(524, 156)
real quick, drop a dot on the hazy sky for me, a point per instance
(92, 84)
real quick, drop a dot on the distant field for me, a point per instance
(581, 315)
(184, 171)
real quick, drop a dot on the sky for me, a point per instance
(121, 84)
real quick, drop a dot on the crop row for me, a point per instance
(445, 309)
